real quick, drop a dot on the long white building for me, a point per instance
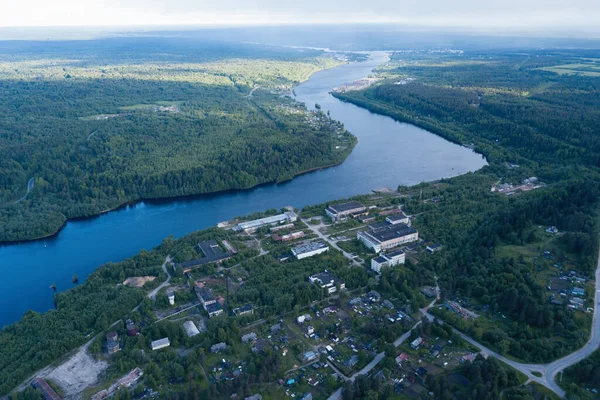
(309, 250)
(160, 343)
(251, 226)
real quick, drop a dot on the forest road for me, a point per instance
(30, 184)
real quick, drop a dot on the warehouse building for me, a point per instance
(385, 236)
(327, 281)
(190, 328)
(160, 343)
(208, 301)
(399, 218)
(214, 309)
(339, 212)
(391, 259)
(252, 226)
(212, 254)
(309, 250)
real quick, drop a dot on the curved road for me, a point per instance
(152, 294)
(548, 371)
(30, 184)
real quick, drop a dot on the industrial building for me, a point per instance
(160, 343)
(47, 392)
(190, 328)
(208, 301)
(327, 281)
(432, 248)
(212, 254)
(398, 218)
(246, 309)
(309, 250)
(390, 259)
(384, 236)
(288, 237)
(205, 296)
(252, 226)
(339, 212)
(213, 309)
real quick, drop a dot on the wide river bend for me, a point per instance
(388, 154)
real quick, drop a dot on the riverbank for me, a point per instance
(387, 154)
(158, 200)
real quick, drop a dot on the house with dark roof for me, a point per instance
(246, 309)
(327, 281)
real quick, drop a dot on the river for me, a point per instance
(388, 153)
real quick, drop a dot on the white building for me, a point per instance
(391, 259)
(160, 343)
(309, 250)
(327, 281)
(190, 328)
(399, 218)
(171, 296)
(252, 226)
(416, 343)
(302, 318)
(381, 237)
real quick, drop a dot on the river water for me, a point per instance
(388, 154)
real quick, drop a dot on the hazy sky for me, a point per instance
(508, 15)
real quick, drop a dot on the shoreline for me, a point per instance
(159, 200)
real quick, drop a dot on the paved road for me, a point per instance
(152, 294)
(315, 229)
(551, 370)
(548, 371)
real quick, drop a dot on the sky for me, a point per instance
(488, 15)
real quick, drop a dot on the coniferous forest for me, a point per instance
(87, 127)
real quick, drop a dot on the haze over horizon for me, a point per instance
(534, 17)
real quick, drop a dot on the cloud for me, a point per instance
(524, 15)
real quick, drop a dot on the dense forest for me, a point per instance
(83, 131)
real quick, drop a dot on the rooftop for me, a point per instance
(390, 232)
(190, 328)
(204, 294)
(325, 277)
(242, 309)
(395, 253)
(305, 248)
(214, 307)
(161, 342)
(343, 207)
(396, 217)
(286, 216)
(212, 253)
